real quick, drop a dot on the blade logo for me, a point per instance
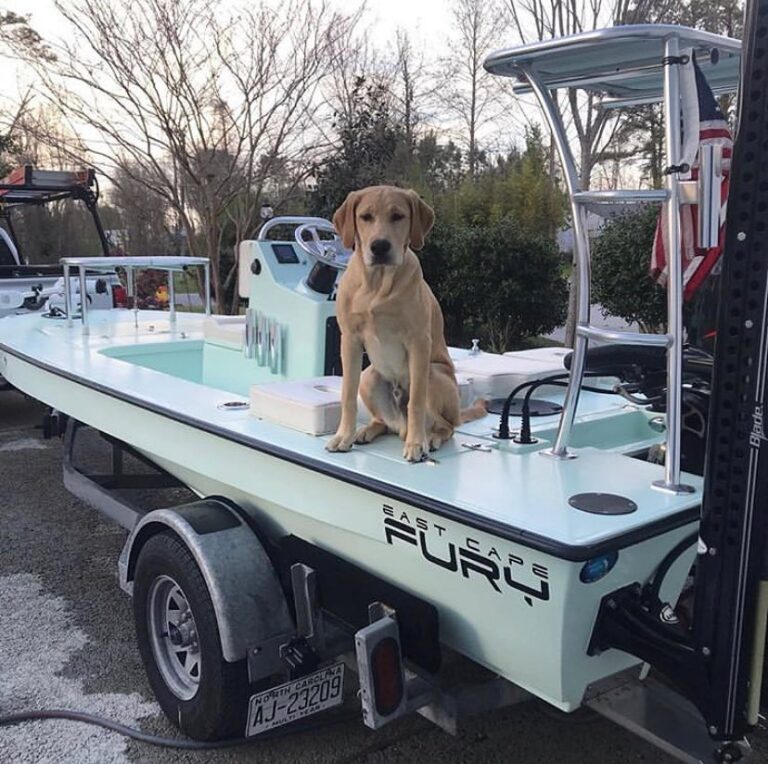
(466, 557)
(758, 428)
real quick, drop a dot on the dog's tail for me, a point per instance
(476, 411)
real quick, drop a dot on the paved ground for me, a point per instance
(596, 318)
(67, 641)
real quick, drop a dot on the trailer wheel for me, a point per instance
(178, 638)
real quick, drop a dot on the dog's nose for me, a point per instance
(380, 249)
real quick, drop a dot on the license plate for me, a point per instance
(294, 700)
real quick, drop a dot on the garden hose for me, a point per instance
(167, 742)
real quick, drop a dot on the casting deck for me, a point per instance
(511, 490)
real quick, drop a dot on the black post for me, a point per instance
(89, 198)
(734, 525)
(91, 205)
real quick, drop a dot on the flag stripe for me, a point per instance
(697, 262)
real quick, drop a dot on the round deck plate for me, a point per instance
(536, 406)
(233, 405)
(603, 503)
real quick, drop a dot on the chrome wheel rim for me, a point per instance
(173, 635)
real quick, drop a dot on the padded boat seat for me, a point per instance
(308, 405)
(494, 376)
(558, 355)
(226, 330)
(313, 405)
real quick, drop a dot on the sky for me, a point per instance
(430, 25)
(427, 20)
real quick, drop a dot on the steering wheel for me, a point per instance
(327, 251)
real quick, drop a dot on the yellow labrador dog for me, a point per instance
(385, 307)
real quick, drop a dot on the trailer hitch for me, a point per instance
(299, 657)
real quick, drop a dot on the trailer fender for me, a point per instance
(249, 602)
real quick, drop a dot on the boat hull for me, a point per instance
(516, 609)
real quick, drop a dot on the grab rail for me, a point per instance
(621, 197)
(629, 338)
(169, 264)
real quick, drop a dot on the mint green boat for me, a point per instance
(505, 550)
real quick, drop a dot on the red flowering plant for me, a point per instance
(152, 290)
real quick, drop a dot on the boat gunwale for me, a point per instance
(557, 549)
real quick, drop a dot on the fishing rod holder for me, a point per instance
(263, 340)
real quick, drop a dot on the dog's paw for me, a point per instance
(435, 441)
(370, 432)
(364, 435)
(341, 441)
(415, 451)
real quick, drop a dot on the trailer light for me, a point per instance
(387, 676)
(594, 569)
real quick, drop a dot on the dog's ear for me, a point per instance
(422, 219)
(344, 220)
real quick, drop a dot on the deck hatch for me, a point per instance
(603, 503)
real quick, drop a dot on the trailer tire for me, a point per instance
(212, 704)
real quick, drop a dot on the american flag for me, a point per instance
(697, 262)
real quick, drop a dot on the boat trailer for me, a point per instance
(709, 699)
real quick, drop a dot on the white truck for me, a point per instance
(26, 287)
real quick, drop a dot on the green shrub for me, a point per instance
(495, 282)
(621, 279)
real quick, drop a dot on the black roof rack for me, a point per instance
(26, 185)
(30, 186)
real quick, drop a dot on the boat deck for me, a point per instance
(511, 490)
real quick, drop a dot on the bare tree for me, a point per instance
(147, 223)
(418, 90)
(594, 128)
(403, 82)
(355, 59)
(34, 120)
(16, 32)
(596, 131)
(194, 100)
(472, 96)
(408, 69)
